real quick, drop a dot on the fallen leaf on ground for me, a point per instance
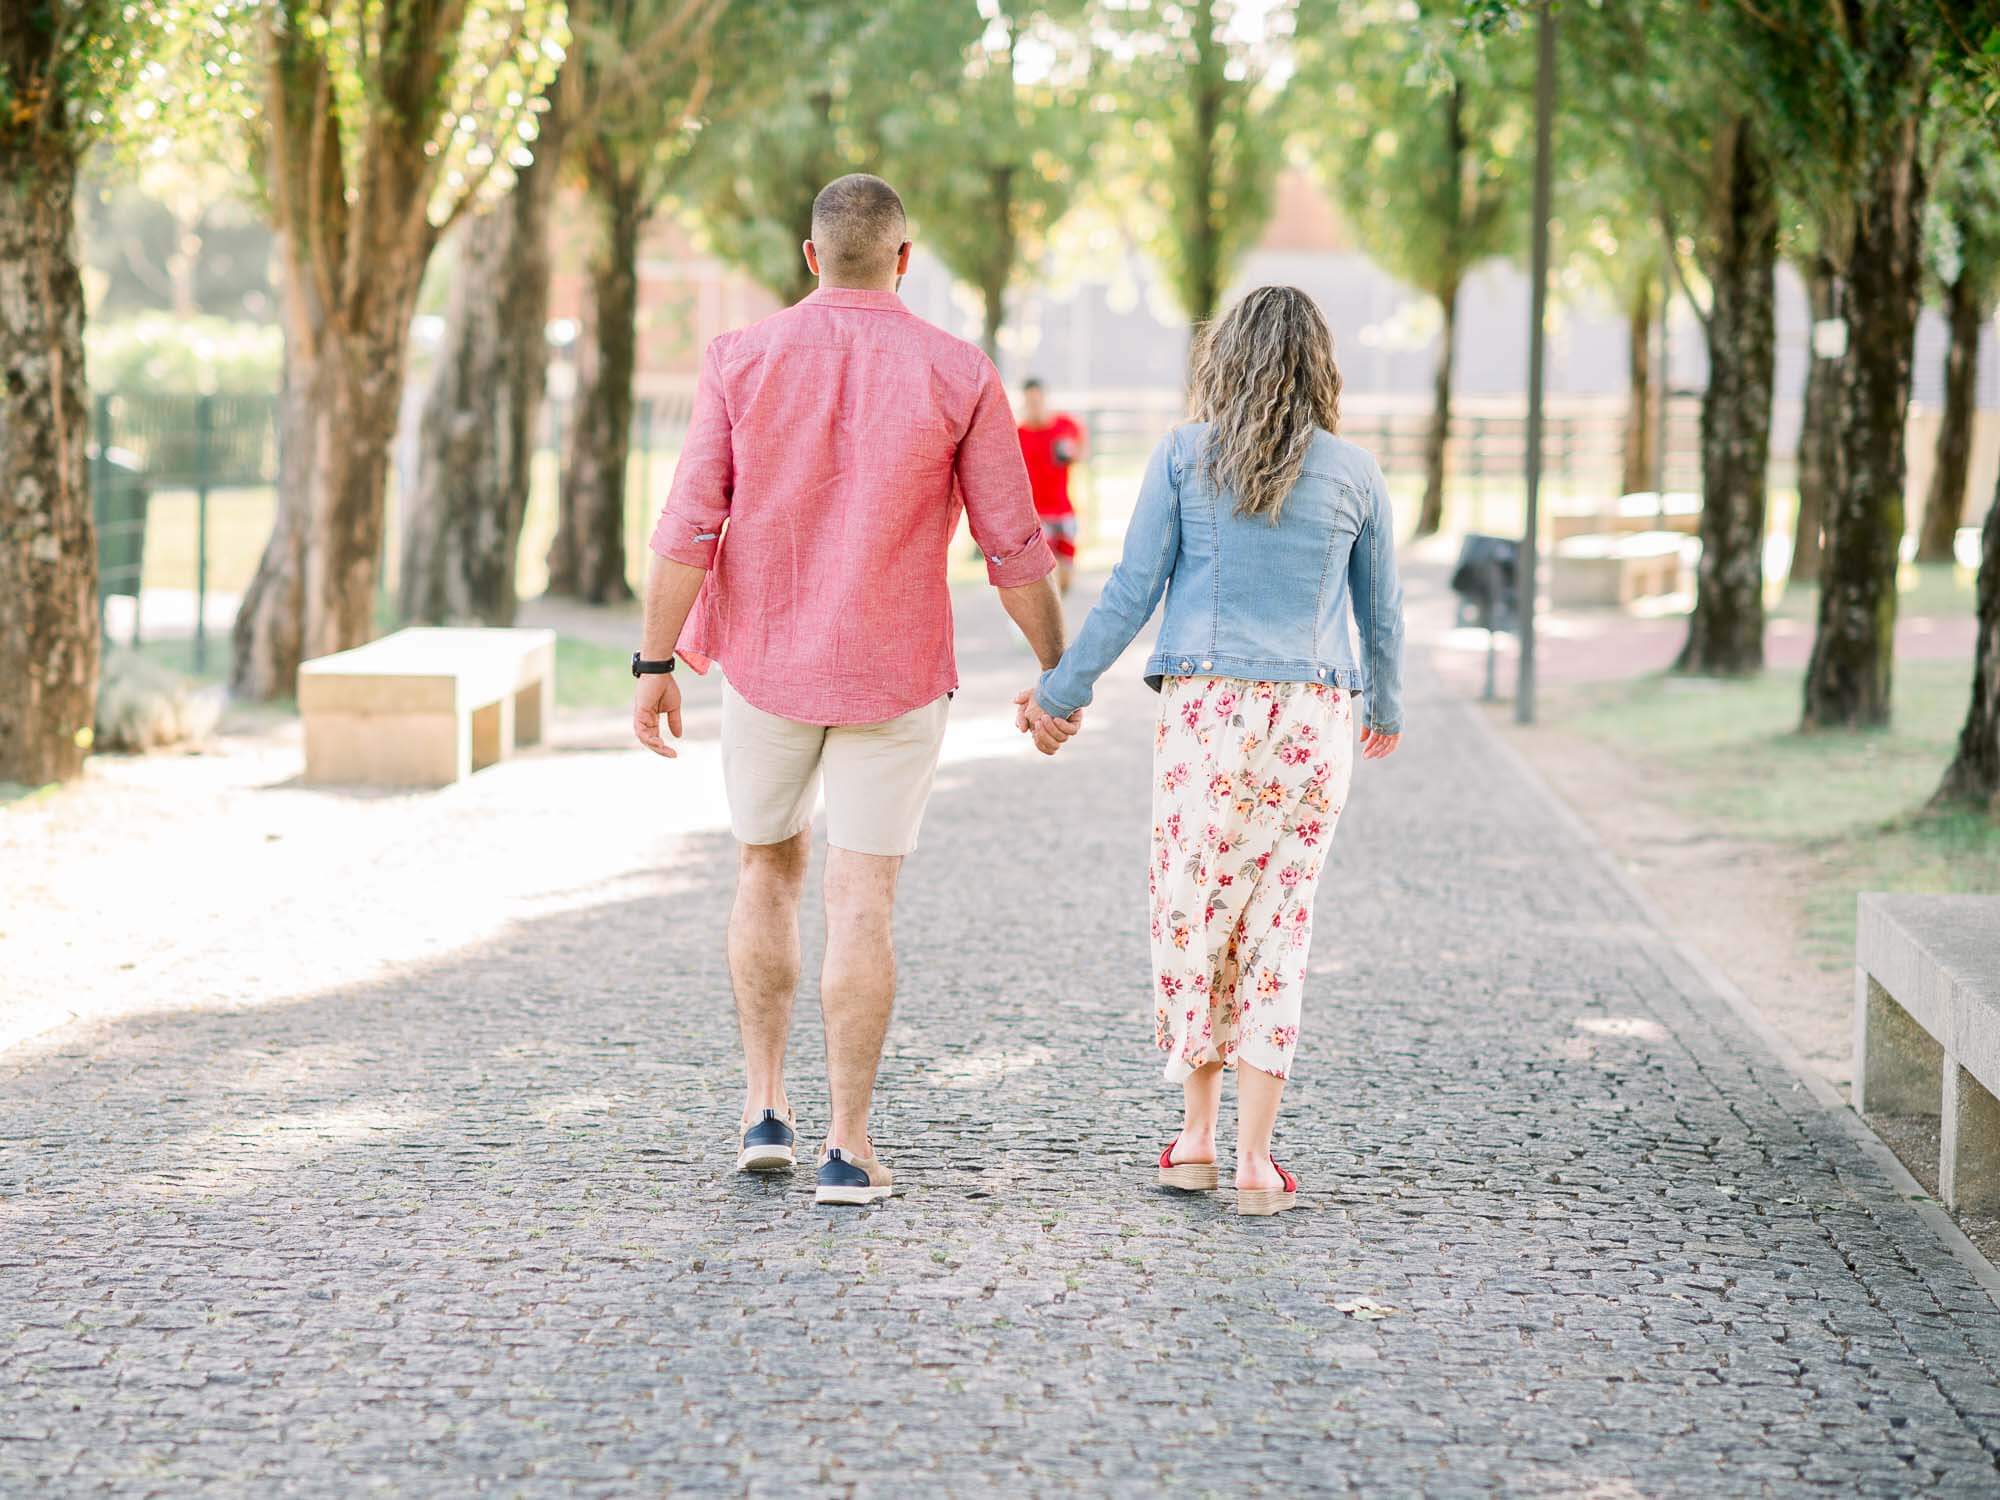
(1365, 1308)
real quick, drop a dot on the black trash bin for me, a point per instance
(1484, 580)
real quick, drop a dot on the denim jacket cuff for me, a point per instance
(1048, 704)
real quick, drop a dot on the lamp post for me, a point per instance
(1545, 101)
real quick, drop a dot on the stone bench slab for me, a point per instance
(1927, 1028)
(425, 706)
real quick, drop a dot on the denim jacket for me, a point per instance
(1246, 598)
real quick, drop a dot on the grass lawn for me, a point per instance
(1728, 755)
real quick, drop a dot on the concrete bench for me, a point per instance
(425, 707)
(1927, 1029)
(1677, 511)
(1587, 571)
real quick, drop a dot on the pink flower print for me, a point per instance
(1191, 712)
(1208, 915)
(1283, 1037)
(1182, 934)
(1290, 876)
(1301, 916)
(1273, 793)
(1277, 713)
(1309, 832)
(1225, 705)
(1176, 777)
(1174, 826)
(1223, 846)
(1225, 880)
(1263, 859)
(1268, 982)
(1307, 733)
(1292, 753)
(1218, 788)
(1170, 985)
(1156, 929)
(1199, 984)
(1159, 734)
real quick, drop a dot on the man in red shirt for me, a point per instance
(1051, 445)
(803, 546)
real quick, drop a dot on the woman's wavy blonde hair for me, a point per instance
(1265, 381)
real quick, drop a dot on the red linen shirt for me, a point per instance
(837, 440)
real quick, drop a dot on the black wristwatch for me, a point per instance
(640, 666)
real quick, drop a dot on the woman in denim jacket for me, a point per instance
(1263, 530)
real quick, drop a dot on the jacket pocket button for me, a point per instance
(1206, 665)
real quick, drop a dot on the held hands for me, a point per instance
(1375, 745)
(656, 694)
(1049, 732)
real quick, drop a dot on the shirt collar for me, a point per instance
(847, 296)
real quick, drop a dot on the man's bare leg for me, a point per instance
(764, 963)
(857, 986)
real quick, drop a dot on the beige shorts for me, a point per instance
(878, 776)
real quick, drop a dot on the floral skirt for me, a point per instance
(1248, 782)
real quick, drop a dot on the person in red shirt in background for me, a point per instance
(1050, 444)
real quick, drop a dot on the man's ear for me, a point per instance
(812, 257)
(903, 259)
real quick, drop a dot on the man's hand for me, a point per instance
(1375, 745)
(1049, 732)
(657, 693)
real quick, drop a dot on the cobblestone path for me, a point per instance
(1569, 1230)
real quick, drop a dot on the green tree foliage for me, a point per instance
(1421, 134)
(1199, 86)
(998, 142)
(811, 84)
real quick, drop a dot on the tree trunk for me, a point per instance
(1431, 516)
(462, 521)
(587, 560)
(1816, 433)
(1639, 436)
(1849, 675)
(1726, 630)
(998, 261)
(314, 589)
(48, 546)
(1200, 235)
(1944, 506)
(1974, 775)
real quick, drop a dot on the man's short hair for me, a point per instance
(1032, 383)
(858, 227)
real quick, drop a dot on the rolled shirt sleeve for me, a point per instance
(993, 479)
(690, 524)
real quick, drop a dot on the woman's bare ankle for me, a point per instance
(1256, 1170)
(1194, 1144)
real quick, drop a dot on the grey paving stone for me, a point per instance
(471, 1229)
